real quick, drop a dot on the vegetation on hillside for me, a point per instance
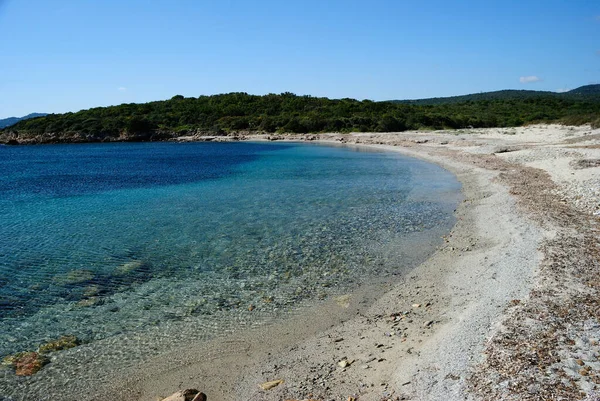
(287, 112)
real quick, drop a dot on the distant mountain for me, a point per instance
(7, 122)
(588, 92)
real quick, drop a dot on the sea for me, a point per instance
(123, 245)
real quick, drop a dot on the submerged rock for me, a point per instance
(64, 342)
(91, 291)
(87, 302)
(25, 363)
(74, 277)
(9, 360)
(129, 267)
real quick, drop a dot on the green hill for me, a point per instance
(286, 112)
(588, 91)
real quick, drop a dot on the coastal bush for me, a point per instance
(286, 112)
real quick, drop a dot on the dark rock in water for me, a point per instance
(25, 363)
(64, 342)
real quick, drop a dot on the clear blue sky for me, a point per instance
(67, 55)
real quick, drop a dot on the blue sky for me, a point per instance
(67, 55)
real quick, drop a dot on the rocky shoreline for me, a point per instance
(14, 138)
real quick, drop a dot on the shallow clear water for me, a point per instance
(110, 241)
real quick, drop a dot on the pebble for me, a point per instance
(272, 384)
(345, 363)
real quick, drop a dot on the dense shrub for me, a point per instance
(287, 112)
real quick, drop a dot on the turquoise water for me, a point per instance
(110, 241)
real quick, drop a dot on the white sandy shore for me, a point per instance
(484, 282)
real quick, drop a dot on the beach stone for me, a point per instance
(186, 395)
(200, 397)
(272, 384)
(345, 363)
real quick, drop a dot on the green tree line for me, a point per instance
(286, 112)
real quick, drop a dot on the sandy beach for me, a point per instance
(507, 308)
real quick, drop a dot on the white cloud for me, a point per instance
(529, 79)
(562, 90)
(121, 89)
